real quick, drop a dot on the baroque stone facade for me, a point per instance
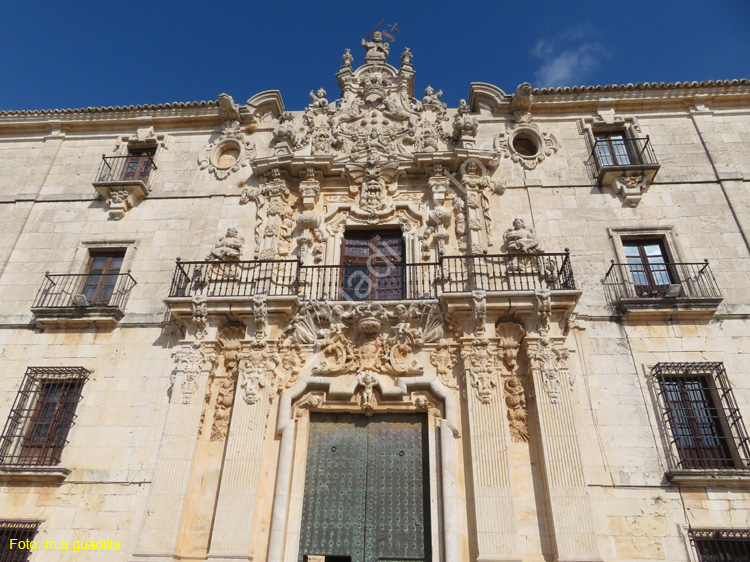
(553, 282)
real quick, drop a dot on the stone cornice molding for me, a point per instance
(487, 97)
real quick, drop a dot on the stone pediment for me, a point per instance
(376, 117)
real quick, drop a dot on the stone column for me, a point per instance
(493, 490)
(235, 508)
(161, 526)
(569, 503)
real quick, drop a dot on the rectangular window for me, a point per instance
(649, 268)
(703, 422)
(139, 164)
(717, 545)
(43, 412)
(612, 149)
(373, 265)
(101, 276)
(16, 531)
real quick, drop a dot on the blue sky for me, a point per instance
(86, 53)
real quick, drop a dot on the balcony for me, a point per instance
(122, 181)
(617, 156)
(510, 281)
(664, 289)
(69, 299)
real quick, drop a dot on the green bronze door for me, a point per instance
(366, 492)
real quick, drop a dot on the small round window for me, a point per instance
(525, 145)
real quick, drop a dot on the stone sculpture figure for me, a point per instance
(521, 239)
(376, 50)
(432, 97)
(318, 98)
(228, 247)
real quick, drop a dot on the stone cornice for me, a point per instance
(570, 100)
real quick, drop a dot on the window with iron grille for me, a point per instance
(16, 531)
(703, 423)
(39, 421)
(716, 545)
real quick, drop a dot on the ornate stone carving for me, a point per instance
(375, 119)
(191, 361)
(520, 103)
(465, 126)
(228, 153)
(521, 239)
(440, 218)
(222, 410)
(368, 349)
(515, 400)
(630, 189)
(443, 358)
(509, 337)
(284, 134)
(309, 188)
(228, 247)
(228, 110)
(347, 58)
(376, 51)
(480, 364)
(438, 183)
(120, 202)
(525, 144)
(479, 304)
(431, 97)
(406, 57)
(278, 225)
(543, 306)
(230, 342)
(255, 367)
(368, 380)
(374, 183)
(478, 187)
(548, 364)
(200, 316)
(260, 315)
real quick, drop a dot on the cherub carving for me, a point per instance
(318, 98)
(521, 239)
(228, 247)
(432, 97)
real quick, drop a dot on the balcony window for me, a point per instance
(138, 164)
(43, 412)
(703, 424)
(647, 261)
(612, 149)
(101, 277)
(373, 265)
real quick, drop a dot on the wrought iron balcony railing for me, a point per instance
(507, 272)
(83, 290)
(612, 156)
(235, 278)
(667, 282)
(451, 274)
(125, 169)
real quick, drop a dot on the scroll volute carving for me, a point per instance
(509, 337)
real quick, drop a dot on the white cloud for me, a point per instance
(567, 59)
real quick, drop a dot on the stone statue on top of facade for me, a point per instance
(376, 50)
